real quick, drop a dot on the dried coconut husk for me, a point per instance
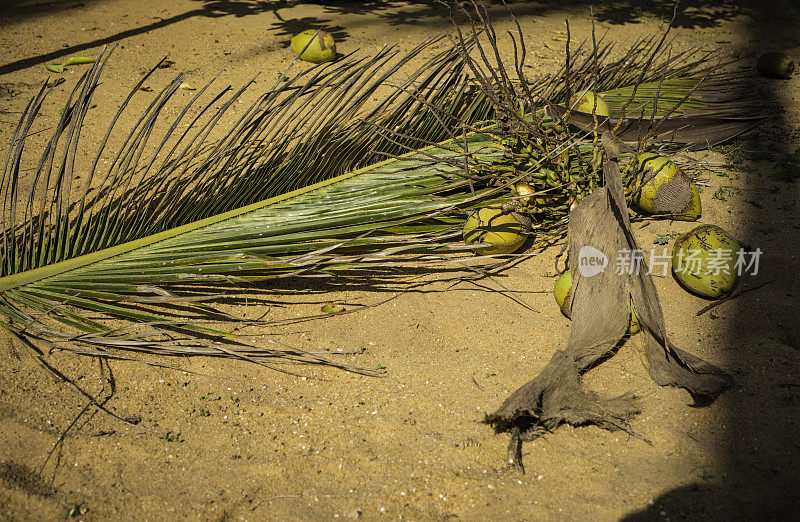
(667, 190)
(600, 309)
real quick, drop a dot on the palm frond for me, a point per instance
(261, 203)
(307, 180)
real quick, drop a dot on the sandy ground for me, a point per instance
(255, 444)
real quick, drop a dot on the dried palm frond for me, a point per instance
(308, 180)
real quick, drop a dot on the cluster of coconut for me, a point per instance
(704, 261)
(666, 190)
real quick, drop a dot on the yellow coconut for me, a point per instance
(589, 102)
(501, 233)
(562, 290)
(523, 189)
(704, 261)
(321, 49)
(663, 173)
(634, 327)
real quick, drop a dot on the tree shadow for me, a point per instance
(691, 14)
(292, 26)
(755, 429)
(12, 9)
(210, 9)
(701, 502)
(389, 12)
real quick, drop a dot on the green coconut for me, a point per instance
(662, 173)
(321, 49)
(776, 65)
(704, 261)
(501, 233)
(589, 102)
(562, 290)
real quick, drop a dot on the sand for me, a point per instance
(255, 444)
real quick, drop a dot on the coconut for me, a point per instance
(693, 211)
(775, 65)
(501, 233)
(523, 189)
(634, 326)
(589, 102)
(668, 190)
(562, 290)
(704, 261)
(321, 49)
(331, 308)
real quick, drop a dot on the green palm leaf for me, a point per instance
(259, 204)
